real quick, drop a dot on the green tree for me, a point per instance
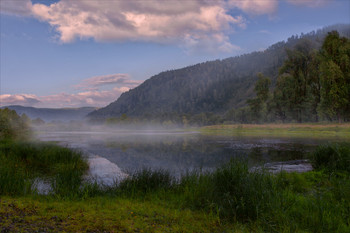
(335, 77)
(295, 78)
(258, 106)
(12, 126)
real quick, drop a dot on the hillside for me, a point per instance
(214, 86)
(53, 114)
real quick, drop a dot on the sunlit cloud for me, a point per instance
(16, 7)
(19, 99)
(256, 7)
(89, 94)
(123, 80)
(155, 21)
(195, 25)
(81, 99)
(310, 3)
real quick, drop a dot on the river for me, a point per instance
(181, 151)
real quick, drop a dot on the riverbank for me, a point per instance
(303, 130)
(101, 214)
(232, 198)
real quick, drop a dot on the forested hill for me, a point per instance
(53, 114)
(214, 86)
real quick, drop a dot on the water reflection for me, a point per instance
(179, 152)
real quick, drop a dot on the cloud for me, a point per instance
(88, 98)
(89, 94)
(256, 7)
(20, 99)
(152, 21)
(112, 79)
(16, 7)
(309, 3)
(196, 25)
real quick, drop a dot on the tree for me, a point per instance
(12, 126)
(258, 105)
(295, 79)
(335, 76)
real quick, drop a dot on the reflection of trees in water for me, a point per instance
(180, 153)
(172, 153)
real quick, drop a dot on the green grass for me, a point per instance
(307, 130)
(232, 198)
(102, 214)
(332, 157)
(22, 163)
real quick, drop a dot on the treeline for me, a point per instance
(13, 126)
(217, 91)
(312, 85)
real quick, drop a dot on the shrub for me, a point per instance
(332, 157)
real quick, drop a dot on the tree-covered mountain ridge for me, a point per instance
(214, 87)
(52, 114)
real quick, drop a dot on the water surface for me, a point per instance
(180, 152)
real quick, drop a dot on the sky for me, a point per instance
(75, 53)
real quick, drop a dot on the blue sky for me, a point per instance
(73, 53)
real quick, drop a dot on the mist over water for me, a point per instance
(178, 151)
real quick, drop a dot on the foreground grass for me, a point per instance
(22, 163)
(100, 214)
(232, 198)
(320, 130)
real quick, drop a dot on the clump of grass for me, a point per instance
(243, 195)
(21, 163)
(232, 191)
(145, 181)
(332, 157)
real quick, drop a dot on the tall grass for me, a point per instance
(332, 157)
(22, 163)
(284, 202)
(146, 181)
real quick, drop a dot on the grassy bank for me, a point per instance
(320, 130)
(23, 163)
(101, 214)
(230, 199)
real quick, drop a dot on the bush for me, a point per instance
(13, 126)
(332, 157)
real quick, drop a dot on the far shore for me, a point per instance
(341, 130)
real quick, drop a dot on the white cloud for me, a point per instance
(90, 95)
(309, 3)
(256, 7)
(16, 7)
(111, 79)
(196, 25)
(88, 98)
(20, 99)
(154, 20)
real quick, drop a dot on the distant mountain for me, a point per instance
(214, 86)
(53, 114)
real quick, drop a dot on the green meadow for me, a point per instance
(302, 130)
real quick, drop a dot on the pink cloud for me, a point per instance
(16, 7)
(19, 99)
(256, 7)
(89, 95)
(111, 79)
(309, 3)
(89, 98)
(154, 20)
